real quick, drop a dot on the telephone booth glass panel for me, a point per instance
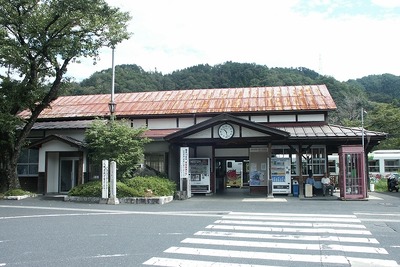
(352, 171)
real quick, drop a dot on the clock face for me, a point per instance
(226, 131)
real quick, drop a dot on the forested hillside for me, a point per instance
(375, 93)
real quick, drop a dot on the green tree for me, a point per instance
(38, 40)
(385, 118)
(116, 141)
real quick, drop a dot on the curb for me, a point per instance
(125, 200)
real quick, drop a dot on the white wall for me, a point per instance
(282, 118)
(310, 117)
(53, 161)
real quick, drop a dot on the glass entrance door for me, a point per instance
(69, 169)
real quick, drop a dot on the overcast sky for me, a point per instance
(346, 39)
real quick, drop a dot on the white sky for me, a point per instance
(346, 39)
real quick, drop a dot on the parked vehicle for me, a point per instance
(393, 182)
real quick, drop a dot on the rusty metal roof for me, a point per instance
(196, 101)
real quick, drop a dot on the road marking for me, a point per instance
(293, 215)
(327, 238)
(289, 230)
(110, 256)
(58, 215)
(264, 200)
(169, 262)
(89, 212)
(318, 247)
(300, 224)
(295, 218)
(377, 214)
(324, 259)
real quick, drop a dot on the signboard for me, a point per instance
(184, 168)
(104, 177)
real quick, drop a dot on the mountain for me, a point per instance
(379, 94)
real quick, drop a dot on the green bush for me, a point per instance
(16, 192)
(125, 191)
(381, 185)
(90, 189)
(134, 187)
(152, 185)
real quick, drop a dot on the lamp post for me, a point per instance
(112, 105)
(362, 129)
(365, 162)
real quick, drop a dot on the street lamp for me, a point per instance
(112, 105)
(362, 128)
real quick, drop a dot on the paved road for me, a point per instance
(228, 230)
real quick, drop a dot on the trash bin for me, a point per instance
(295, 188)
(308, 190)
(372, 187)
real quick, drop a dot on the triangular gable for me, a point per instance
(62, 138)
(226, 118)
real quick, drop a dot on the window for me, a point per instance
(28, 162)
(314, 160)
(156, 161)
(373, 165)
(392, 165)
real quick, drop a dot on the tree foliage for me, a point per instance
(38, 40)
(116, 141)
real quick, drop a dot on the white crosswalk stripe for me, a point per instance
(242, 239)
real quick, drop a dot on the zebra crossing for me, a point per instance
(241, 239)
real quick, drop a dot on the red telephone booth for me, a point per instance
(352, 180)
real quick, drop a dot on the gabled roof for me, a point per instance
(276, 133)
(196, 101)
(63, 138)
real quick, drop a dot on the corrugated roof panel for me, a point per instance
(315, 97)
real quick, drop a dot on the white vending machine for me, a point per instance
(199, 171)
(281, 176)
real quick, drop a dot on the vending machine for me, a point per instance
(199, 171)
(281, 175)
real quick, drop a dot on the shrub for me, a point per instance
(381, 185)
(125, 191)
(90, 189)
(134, 187)
(152, 185)
(16, 192)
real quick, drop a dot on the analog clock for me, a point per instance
(226, 131)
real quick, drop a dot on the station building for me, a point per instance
(261, 139)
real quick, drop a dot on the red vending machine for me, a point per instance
(352, 178)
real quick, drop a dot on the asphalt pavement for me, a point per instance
(232, 229)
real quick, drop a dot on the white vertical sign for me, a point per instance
(113, 184)
(104, 191)
(184, 166)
